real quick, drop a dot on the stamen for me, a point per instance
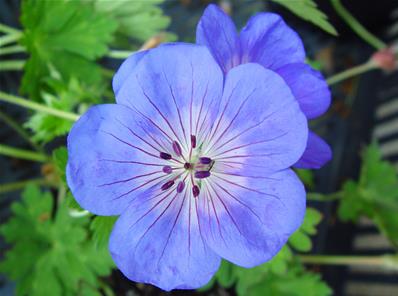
(164, 155)
(180, 186)
(167, 185)
(167, 169)
(177, 148)
(193, 141)
(195, 190)
(187, 166)
(205, 160)
(202, 174)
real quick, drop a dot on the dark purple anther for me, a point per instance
(195, 190)
(205, 160)
(177, 148)
(193, 141)
(167, 185)
(167, 169)
(164, 155)
(202, 174)
(180, 186)
(187, 166)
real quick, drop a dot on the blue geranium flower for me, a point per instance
(197, 165)
(268, 41)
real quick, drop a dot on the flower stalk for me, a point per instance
(37, 107)
(14, 186)
(356, 26)
(11, 65)
(351, 72)
(384, 261)
(23, 154)
(12, 49)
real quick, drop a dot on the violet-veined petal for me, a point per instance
(109, 162)
(267, 40)
(217, 31)
(157, 240)
(125, 69)
(308, 86)
(316, 154)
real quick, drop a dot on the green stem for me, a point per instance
(119, 54)
(14, 186)
(37, 107)
(8, 30)
(15, 126)
(10, 38)
(356, 26)
(11, 65)
(324, 197)
(11, 49)
(21, 153)
(354, 71)
(387, 261)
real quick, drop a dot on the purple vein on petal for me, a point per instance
(172, 228)
(244, 131)
(250, 144)
(201, 108)
(231, 122)
(140, 186)
(160, 112)
(131, 145)
(177, 108)
(133, 162)
(154, 222)
(130, 179)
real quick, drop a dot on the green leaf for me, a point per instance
(50, 254)
(139, 20)
(307, 177)
(374, 196)
(307, 10)
(102, 227)
(65, 35)
(300, 240)
(60, 158)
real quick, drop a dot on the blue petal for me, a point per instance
(247, 220)
(125, 69)
(158, 241)
(217, 31)
(177, 86)
(260, 124)
(309, 88)
(316, 154)
(111, 158)
(267, 40)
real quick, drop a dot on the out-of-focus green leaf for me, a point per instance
(308, 10)
(300, 240)
(102, 228)
(374, 196)
(307, 177)
(65, 97)
(139, 20)
(50, 255)
(65, 35)
(60, 158)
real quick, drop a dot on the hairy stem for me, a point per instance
(23, 154)
(119, 54)
(11, 65)
(356, 26)
(354, 71)
(15, 126)
(387, 261)
(10, 38)
(37, 107)
(14, 186)
(8, 30)
(12, 49)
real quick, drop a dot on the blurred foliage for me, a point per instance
(51, 255)
(283, 275)
(307, 10)
(375, 195)
(65, 35)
